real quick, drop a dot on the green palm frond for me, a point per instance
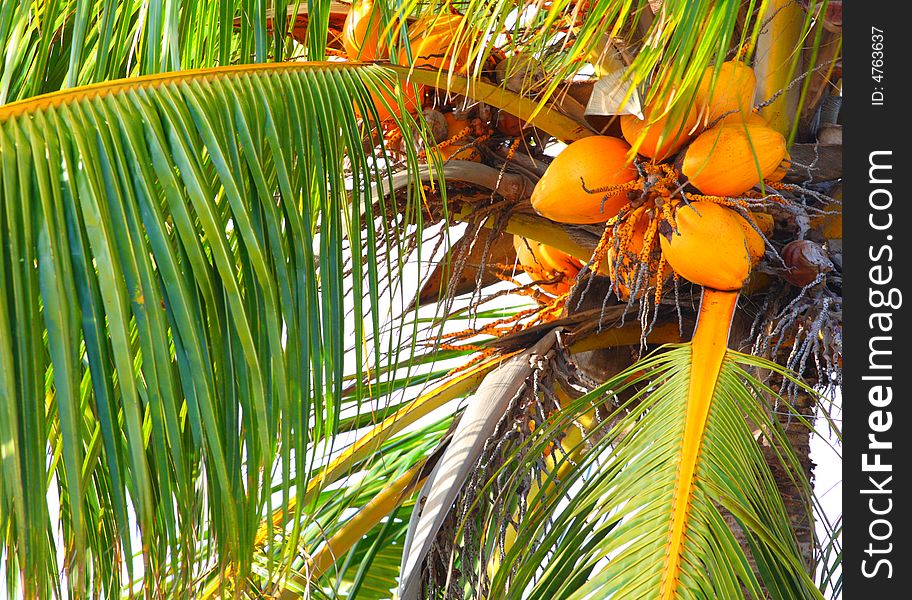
(210, 353)
(604, 530)
(601, 528)
(172, 299)
(320, 564)
(54, 44)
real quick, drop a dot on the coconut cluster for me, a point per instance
(720, 150)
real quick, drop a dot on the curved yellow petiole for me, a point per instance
(367, 518)
(708, 347)
(453, 388)
(545, 117)
(359, 525)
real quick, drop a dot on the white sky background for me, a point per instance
(828, 473)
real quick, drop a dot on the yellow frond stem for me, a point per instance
(542, 230)
(560, 126)
(370, 515)
(372, 440)
(68, 96)
(708, 347)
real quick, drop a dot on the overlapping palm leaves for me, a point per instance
(611, 537)
(54, 44)
(180, 258)
(174, 286)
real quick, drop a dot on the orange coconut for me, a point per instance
(756, 246)
(782, 170)
(430, 39)
(663, 131)
(751, 119)
(386, 102)
(728, 161)
(728, 87)
(709, 246)
(764, 222)
(743, 119)
(543, 262)
(361, 33)
(598, 161)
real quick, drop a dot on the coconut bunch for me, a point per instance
(675, 192)
(368, 36)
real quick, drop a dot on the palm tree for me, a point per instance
(262, 332)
